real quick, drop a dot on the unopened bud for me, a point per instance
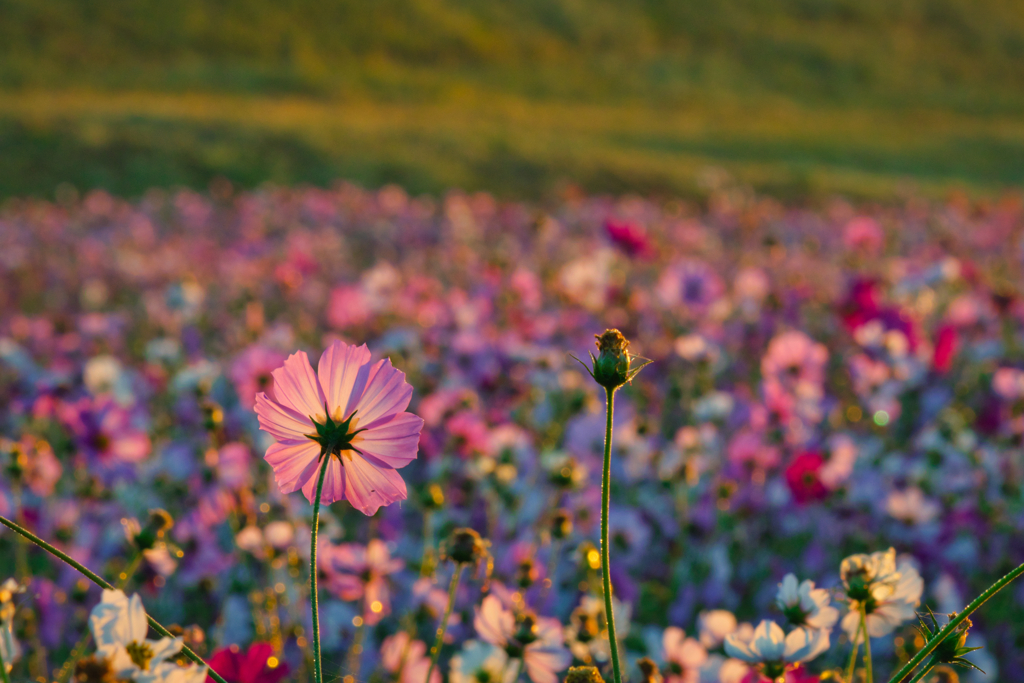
(583, 674)
(561, 524)
(649, 670)
(613, 366)
(465, 546)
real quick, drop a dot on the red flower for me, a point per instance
(803, 477)
(947, 344)
(252, 667)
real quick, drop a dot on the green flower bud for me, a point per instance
(583, 674)
(561, 524)
(613, 366)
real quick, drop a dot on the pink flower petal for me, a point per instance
(386, 393)
(369, 486)
(334, 483)
(282, 423)
(296, 386)
(394, 442)
(338, 371)
(542, 663)
(293, 462)
(493, 622)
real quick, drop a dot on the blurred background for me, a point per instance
(799, 98)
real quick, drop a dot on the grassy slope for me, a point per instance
(796, 96)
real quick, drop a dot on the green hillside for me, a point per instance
(794, 96)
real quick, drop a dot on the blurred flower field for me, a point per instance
(827, 383)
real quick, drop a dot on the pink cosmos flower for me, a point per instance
(252, 666)
(351, 411)
(407, 659)
(355, 572)
(537, 640)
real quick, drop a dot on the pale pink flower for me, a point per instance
(251, 372)
(407, 658)
(360, 572)
(537, 640)
(351, 411)
(864, 233)
(684, 656)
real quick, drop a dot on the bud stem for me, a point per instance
(435, 651)
(313, 598)
(925, 670)
(930, 646)
(606, 490)
(102, 583)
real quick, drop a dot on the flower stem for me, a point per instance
(852, 667)
(867, 642)
(930, 646)
(606, 491)
(925, 670)
(313, 598)
(64, 674)
(435, 651)
(3, 670)
(102, 583)
(519, 670)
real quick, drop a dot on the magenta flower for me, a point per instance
(350, 411)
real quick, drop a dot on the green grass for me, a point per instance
(796, 97)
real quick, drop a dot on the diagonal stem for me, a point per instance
(948, 630)
(435, 652)
(853, 660)
(102, 583)
(313, 598)
(76, 652)
(606, 489)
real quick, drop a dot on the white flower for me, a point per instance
(806, 606)
(480, 662)
(770, 647)
(864, 572)
(119, 627)
(888, 603)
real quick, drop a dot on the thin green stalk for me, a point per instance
(606, 490)
(102, 583)
(317, 672)
(3, 670)
(852, 667)
(925, 670)
(867, 642)
(435, 651)
(930, 646)
(64, 673)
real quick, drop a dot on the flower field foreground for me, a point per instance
(828, 441)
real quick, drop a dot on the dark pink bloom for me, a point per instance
(252, 666)
(947, 344)
(804, 477)
(352, 409)
(629, 237)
